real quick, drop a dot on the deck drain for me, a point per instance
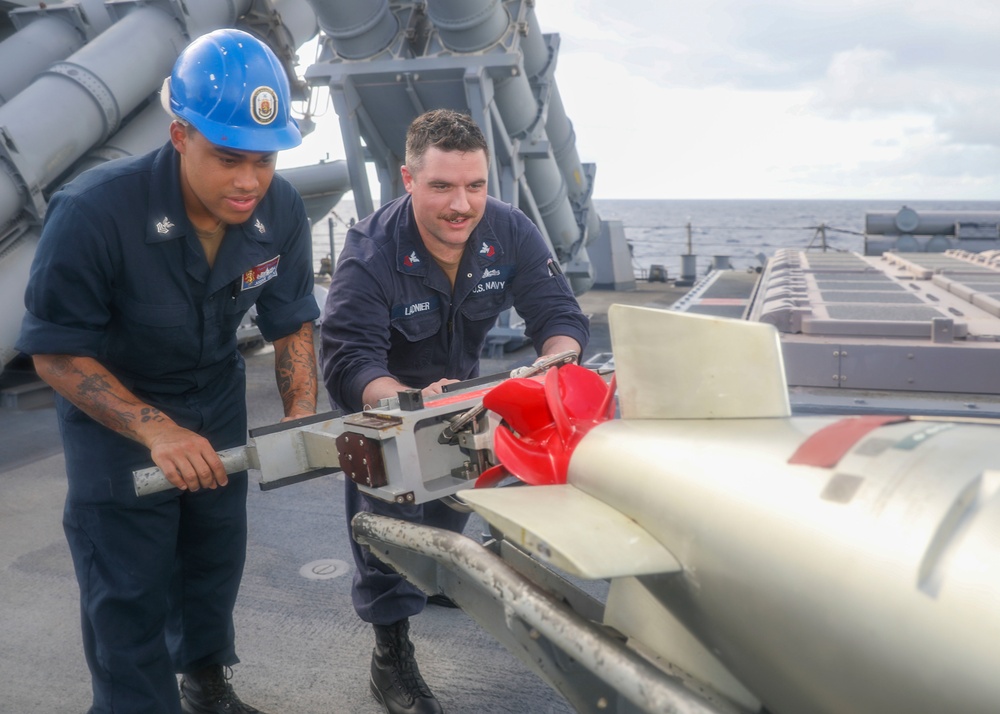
(325, 569)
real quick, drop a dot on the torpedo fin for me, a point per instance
(572, 530)
(675, 365)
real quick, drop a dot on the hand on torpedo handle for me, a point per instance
(543, 363)
(436, 387)
(297, 415)
(187, 460)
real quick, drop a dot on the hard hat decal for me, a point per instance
(264, 105)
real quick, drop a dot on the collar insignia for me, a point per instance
(164, 226)
(259, 226)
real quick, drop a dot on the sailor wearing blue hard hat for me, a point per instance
(144, 271)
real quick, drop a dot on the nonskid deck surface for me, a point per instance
(303, 649)
(902, 331)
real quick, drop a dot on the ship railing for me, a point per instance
(721, 243)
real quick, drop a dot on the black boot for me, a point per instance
(208, 691)
(396, 682)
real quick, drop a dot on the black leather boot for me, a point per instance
(396, 682)
(208, 691)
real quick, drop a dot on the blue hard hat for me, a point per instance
(231, 87)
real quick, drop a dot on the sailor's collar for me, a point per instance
(412, 257)
(168, 219)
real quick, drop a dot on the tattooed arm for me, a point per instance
(295, 371)
(188, 460)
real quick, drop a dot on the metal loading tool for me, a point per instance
(392, 452)
(284, 453)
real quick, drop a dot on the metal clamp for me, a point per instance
(539, 366)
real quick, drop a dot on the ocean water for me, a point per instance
(658, 230)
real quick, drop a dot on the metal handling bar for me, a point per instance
(474, 382)
(641, 683)
(285, 453)
(151, 480)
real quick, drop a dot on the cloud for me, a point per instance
(866, 93)
(862, 82)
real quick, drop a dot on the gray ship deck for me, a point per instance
(303, 650)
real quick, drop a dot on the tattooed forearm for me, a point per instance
(295, 371)
(94, 390)
(93, 386)
(56, 366)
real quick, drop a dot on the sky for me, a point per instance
(772, 99)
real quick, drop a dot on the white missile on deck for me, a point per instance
(798, 564)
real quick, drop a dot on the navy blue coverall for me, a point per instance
(120, 276)
(391, 311)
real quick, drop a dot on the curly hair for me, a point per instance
(444, 129)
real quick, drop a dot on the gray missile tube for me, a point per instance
(539, 64)
(357, 28)
(466, 26)
(908, 220)
(298, 20)
(321, 185)
(563, 141)
(46, 35)
(26, 53)
(79, 103)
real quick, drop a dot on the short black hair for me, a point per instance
(444, 129)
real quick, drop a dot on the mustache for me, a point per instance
(457, 216)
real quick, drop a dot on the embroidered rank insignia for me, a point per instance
(411, 260)
(258, 275)
(486, 249)
(164, 226)
(259, 226)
